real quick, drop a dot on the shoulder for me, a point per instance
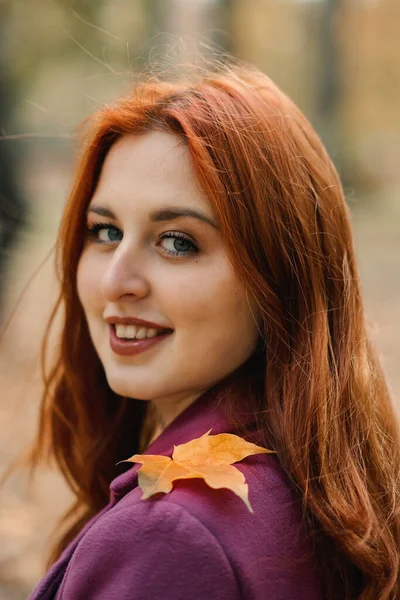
(201, 540)
(150, 550)
(268, 549)
(224, 515)
(272, 496)
(152, 519)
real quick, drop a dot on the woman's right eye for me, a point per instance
(104, 233)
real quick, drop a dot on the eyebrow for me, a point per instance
(156, 216)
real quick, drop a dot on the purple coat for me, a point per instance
(194, 542)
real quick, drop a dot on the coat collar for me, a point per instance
(203, 414)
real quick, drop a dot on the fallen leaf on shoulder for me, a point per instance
(208, 457)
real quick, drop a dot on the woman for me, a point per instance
(207, 218)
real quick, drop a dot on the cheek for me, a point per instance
(214, 303)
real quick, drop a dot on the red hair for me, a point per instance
(322, 402)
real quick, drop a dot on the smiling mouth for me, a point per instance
(130, 346)
(131, 333)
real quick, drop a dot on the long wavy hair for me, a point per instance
(325, 406)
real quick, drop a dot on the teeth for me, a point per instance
(141, 333)
(151, 333)
(132, 332)
(125, 331)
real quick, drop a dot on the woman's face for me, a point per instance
(143, 261)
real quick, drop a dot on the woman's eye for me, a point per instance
(105, 233)
(173, 243)
(177, 244)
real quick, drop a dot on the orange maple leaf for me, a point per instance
(207, 457)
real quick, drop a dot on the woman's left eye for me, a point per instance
(178, 244)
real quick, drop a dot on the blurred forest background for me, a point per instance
(60, 59)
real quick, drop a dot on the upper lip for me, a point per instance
(134, 321)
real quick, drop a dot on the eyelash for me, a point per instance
(93, 230)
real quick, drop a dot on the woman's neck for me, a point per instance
(155, 421)
(152, 426)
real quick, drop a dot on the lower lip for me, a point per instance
(130, 348)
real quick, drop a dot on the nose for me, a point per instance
(124, 275)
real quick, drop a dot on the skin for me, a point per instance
(125, 270)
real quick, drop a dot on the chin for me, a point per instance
(130, 389)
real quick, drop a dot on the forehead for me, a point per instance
(149, 169)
